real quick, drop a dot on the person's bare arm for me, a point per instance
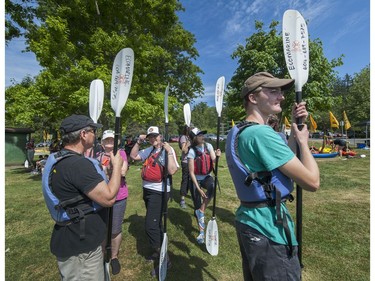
(304, 172)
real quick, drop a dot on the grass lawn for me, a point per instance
(336, 228)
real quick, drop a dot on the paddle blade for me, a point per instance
(212, 238)
(163, 261)
(122, 75)
(187, 114)
(296, 47)
(219, 93)
(107, 275)
(96, 99)
(166, 103)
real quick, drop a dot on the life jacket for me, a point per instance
(72, 210)
(152, 169)
(261, 189)
(250, 186)
(202, 161)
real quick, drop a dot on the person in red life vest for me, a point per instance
(153, 159)
(121, 199)
(201, 157)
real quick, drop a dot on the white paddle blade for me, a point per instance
(219, 93)
(212, 238)
(96, 99)
(166, 103)
(163, 261)
(187, 114)
(107, 275)
(122, 75)
(296, 47)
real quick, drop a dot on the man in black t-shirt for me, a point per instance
(78, 257)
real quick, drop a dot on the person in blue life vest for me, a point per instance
(77, 243)
(201, 157)
(268, 251)
(153, 158)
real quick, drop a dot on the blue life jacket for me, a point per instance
(253, 187)
(261, 189)
(72, 210)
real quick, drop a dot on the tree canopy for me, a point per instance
(76, 41)
(263, 51)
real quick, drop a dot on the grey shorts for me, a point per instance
(265, 260)
(84, 267)
(118, 216)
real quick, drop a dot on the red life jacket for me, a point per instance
(152, 169)
(202, 161)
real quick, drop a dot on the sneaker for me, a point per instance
(183, 204)
(116, 267)
(200, 217)
(200, 238)
(155, 271)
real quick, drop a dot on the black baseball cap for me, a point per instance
(76, 122)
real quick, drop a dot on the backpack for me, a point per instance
(202, 161)
(72, 210)
(152, 169)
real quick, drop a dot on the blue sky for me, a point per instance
(220, 26)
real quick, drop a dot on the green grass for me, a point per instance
(336, 229)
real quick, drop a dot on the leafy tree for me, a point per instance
(264, 52)
(358, 97)
(19, 15)
(76, 41)
(204, 117)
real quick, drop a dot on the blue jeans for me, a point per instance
(264, 260)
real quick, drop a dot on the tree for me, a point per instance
(358, 98)
(264, 52)
(204, 117)
(19, 17)
(76, 41)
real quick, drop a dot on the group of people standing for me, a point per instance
(64, 179)
(85, 188)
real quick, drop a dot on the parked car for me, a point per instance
(212, 137)
(43, 144)
(317, 135)
(173, 138)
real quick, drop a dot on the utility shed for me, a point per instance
(15, 142)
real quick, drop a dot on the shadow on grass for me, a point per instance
(25, 171)
(187, 268)
(183, 221)
(223, 215)
(137, 230)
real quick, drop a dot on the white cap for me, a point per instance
(195, 132)
(153, 130)
(108, 134)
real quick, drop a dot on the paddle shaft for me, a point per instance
(299, 191)
(110, 209)
(165, 197)
(216, 166)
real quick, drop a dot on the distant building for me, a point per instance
(15, 142)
